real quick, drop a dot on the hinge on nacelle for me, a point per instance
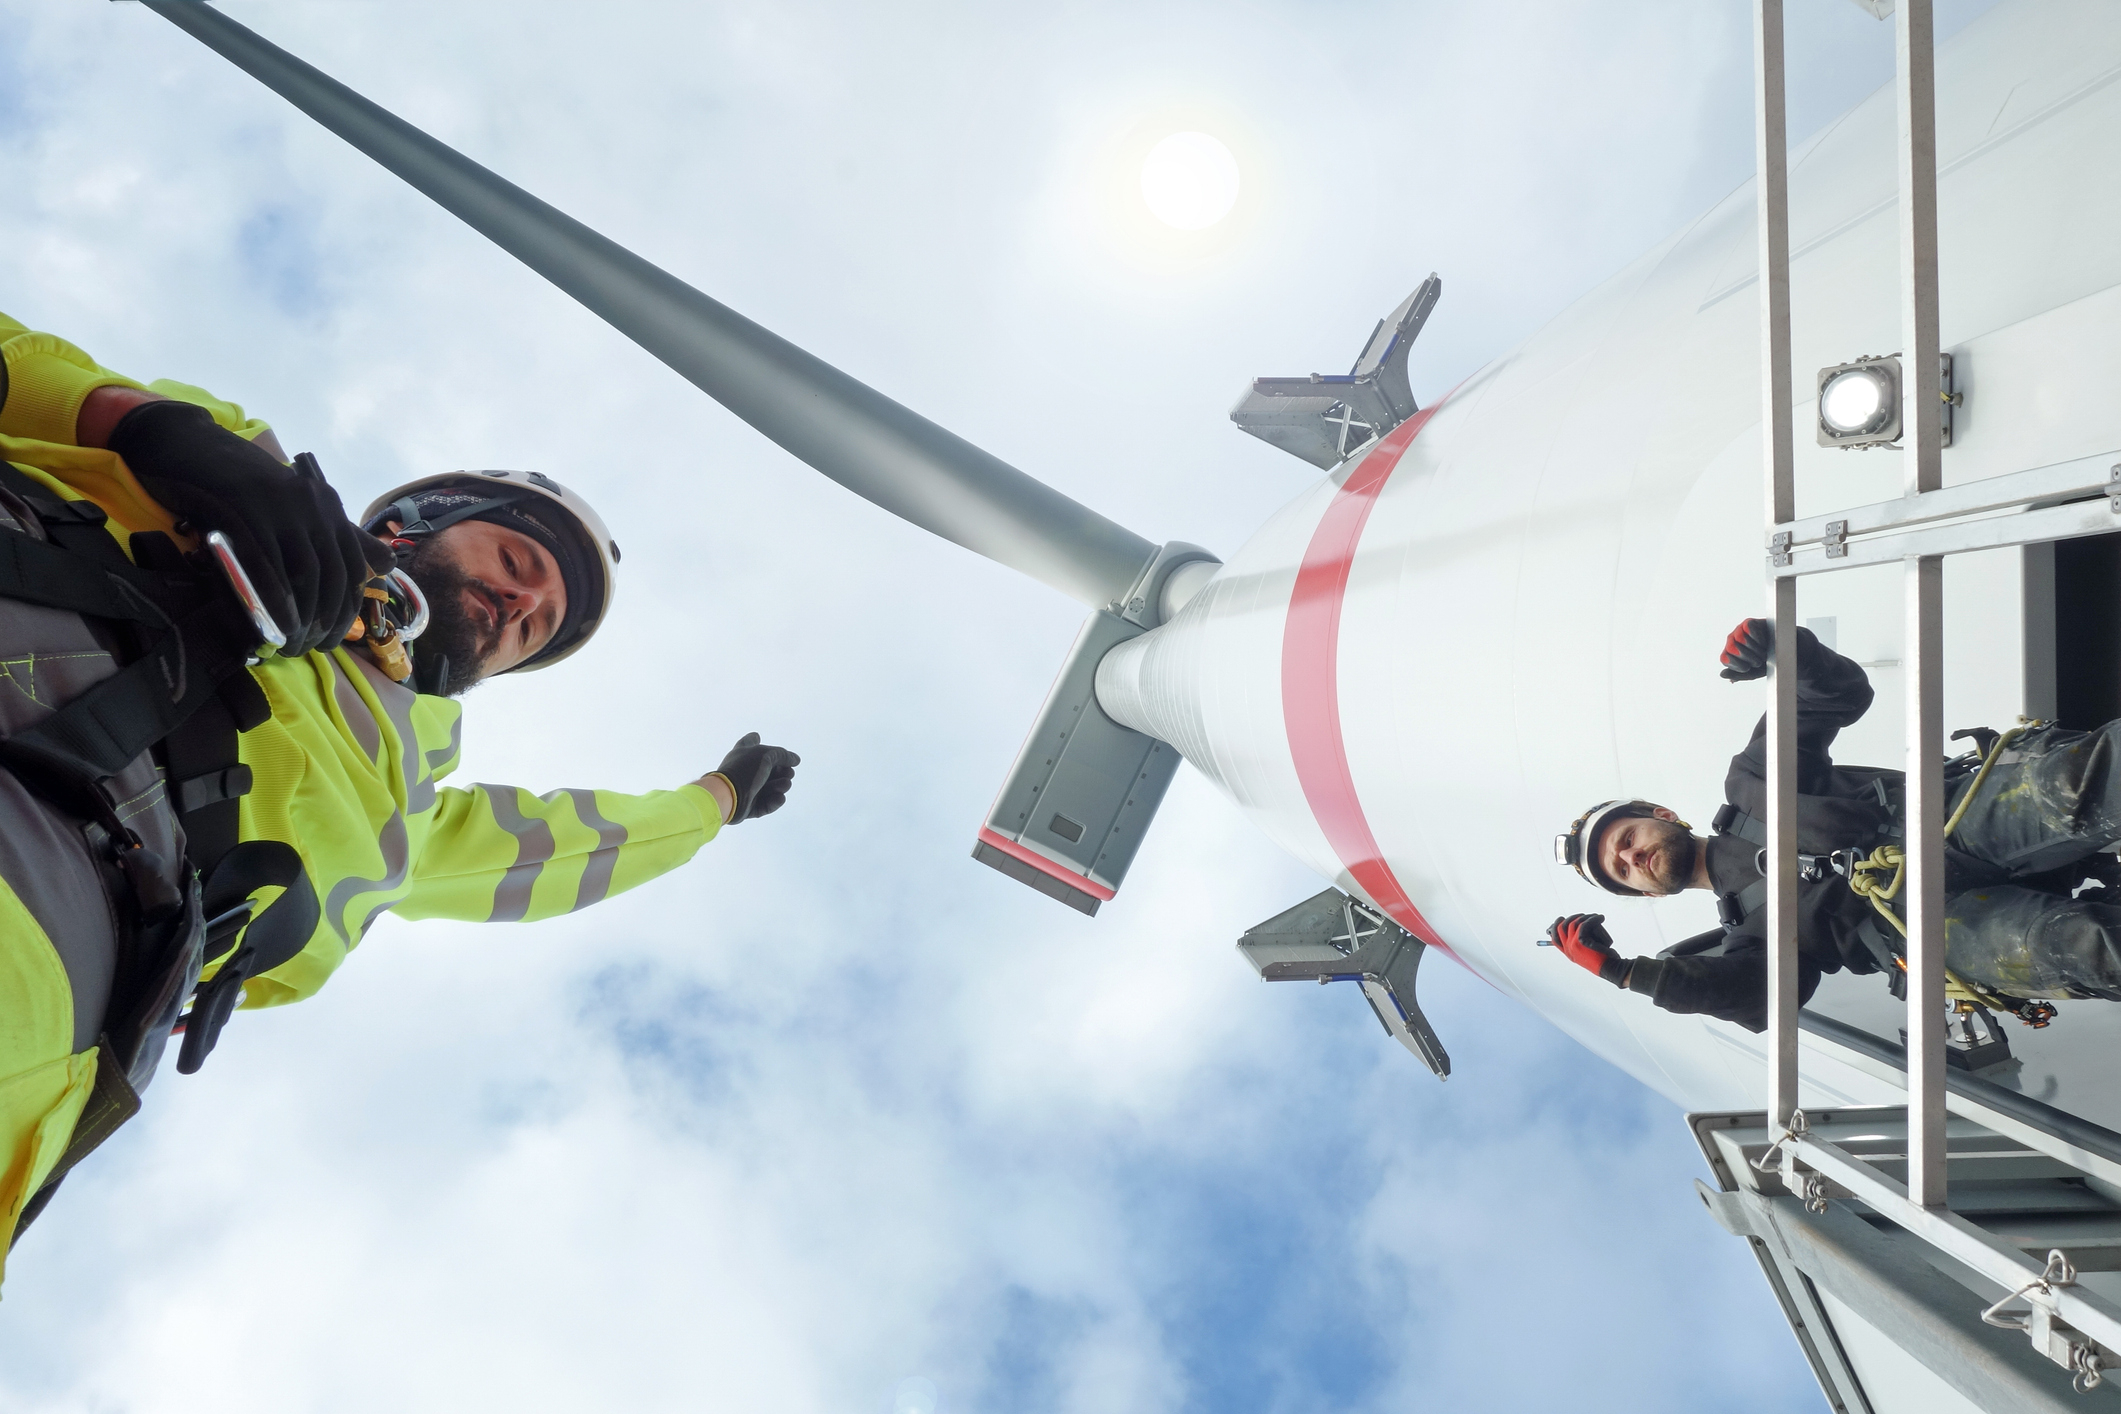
(1326, 416)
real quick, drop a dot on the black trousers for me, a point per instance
(2052, 800)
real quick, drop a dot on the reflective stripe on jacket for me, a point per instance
(347, 769)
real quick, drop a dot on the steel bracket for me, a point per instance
(2086, 1359)
(1332, 937)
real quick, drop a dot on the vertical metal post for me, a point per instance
(1924, 651)
(1771, 190)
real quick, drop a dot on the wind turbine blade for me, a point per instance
(874, 447)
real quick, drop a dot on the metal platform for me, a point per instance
(1862, 1292)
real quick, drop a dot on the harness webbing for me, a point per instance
(1734, 908)
(1730, 820)
(196, 642)
(185, 696)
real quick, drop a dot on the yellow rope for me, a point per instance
(1994, 753)
(1867, 878)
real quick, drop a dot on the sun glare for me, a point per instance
(1189, 181)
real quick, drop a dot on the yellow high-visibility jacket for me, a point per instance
(347, 769)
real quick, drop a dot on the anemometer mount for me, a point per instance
(1332, 937)
(1327, 416)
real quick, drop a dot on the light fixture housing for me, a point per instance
(1858, 403)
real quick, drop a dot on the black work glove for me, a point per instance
(1747, 650)
(758, 776)
(306, 559)
(1584, 941)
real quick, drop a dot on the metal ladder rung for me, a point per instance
(2058, 502)
(1989, 532)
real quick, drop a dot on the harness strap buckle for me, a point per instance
(229, 783)
(212, 1005)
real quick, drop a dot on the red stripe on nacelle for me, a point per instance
(1044, 865)
(1310, 680)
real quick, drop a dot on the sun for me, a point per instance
(1189, 181)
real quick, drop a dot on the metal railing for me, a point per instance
(1927, 522)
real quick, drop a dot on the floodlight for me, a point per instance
(1856, 401)
(1859, 402)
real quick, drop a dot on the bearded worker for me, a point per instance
(2030, 816)
(192, 819)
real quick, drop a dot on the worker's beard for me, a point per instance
(451, 633)
(1675, 861)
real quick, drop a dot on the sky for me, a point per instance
(835, 1119)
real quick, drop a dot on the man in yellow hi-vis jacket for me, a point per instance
(181, 824)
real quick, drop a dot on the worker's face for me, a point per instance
(496, 598)
(1652, 854)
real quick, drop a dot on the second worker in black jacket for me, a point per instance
(2032, 834)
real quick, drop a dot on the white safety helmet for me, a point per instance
(1579, 847)
(524, 501)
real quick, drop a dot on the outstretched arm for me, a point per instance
(498, 854)
(1731, 986)
(1832, 692)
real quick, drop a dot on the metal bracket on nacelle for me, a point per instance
(1331, 937)
(1327, 416)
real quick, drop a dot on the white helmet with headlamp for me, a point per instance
(530, 503)
(1579, 847)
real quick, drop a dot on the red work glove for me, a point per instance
(1747, 650)
(1584, 941)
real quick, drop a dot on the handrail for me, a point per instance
(2071, 1129)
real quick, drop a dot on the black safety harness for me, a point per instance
(186, 696)
(1733, 909)
(1962, 870)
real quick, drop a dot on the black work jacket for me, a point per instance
(1723, 973)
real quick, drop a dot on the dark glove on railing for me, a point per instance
(307, 560)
